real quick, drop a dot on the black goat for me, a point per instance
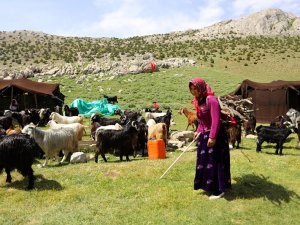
(124, 141)
(73, 111)
(111, 99)
(273, 135)
(18, 152)
(165, 119)
(108, 121)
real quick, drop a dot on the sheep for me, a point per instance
(77, 128)
(191, 116)
(18, 152)
(158, 131)
(65, 119)
(53, 140)
(123, 140)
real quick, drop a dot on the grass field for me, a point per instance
(265, 190)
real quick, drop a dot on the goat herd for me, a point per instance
(21, 141)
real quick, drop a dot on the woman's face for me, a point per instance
(194, 91)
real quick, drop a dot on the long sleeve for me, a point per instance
(214, 109)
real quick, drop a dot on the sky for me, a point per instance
(127, 18)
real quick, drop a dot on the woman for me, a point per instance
(213, 161)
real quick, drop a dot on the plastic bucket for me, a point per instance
(156, 149)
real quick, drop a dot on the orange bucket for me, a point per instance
(156, 149)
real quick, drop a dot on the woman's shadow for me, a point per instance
(257, 186)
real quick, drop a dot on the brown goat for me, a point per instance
(158, 131)
(191, 116)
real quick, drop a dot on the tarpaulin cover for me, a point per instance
(100, 106)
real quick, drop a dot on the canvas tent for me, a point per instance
(271, 99)
(30, 94)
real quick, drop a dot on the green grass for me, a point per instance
(265, 190)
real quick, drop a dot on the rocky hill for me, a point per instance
(28, 53)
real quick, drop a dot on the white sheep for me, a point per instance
(52, 141)
(77, 128)
(65, 119)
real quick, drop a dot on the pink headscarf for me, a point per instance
(204, 89)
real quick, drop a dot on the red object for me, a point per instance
(156, 149)
(233, 121)
(153, 67)
(155, 105)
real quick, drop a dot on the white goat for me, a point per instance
(151, 122)
(107, 127)
(158, 131)
(53, 140)
(77, 128)
(149, 115)
(65, 119)
(294, 116)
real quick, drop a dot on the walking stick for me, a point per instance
(187, 147)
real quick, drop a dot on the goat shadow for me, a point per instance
(40, 184)
(252, 186)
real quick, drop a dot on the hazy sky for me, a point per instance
(126, 18)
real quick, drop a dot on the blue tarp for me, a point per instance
(100, 106)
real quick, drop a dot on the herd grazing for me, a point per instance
(51, 134)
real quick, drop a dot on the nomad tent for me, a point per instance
(270, 99)
(30, 94)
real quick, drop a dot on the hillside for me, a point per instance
(270, 37)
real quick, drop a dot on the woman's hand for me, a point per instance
(211, 142)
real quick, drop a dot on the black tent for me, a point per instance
(30, 94)
(271, 99)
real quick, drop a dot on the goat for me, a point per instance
(73, 111)
(52, 141)
(44, 115)
(158, 131)
(111, 99)
(65, 119)
(123, 140)
(149, 115)
(250, 124)
(165, 119)
(18, 152)
(108, 121)
(294, 116)
(273, 135)
(234, 135)
(76, 127)
(191, 116)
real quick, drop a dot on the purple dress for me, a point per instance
(213, 164)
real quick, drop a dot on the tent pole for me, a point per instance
(12, 93)
(35, 100)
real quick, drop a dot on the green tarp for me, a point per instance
(100, 106)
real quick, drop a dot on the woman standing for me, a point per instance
(213, 160)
